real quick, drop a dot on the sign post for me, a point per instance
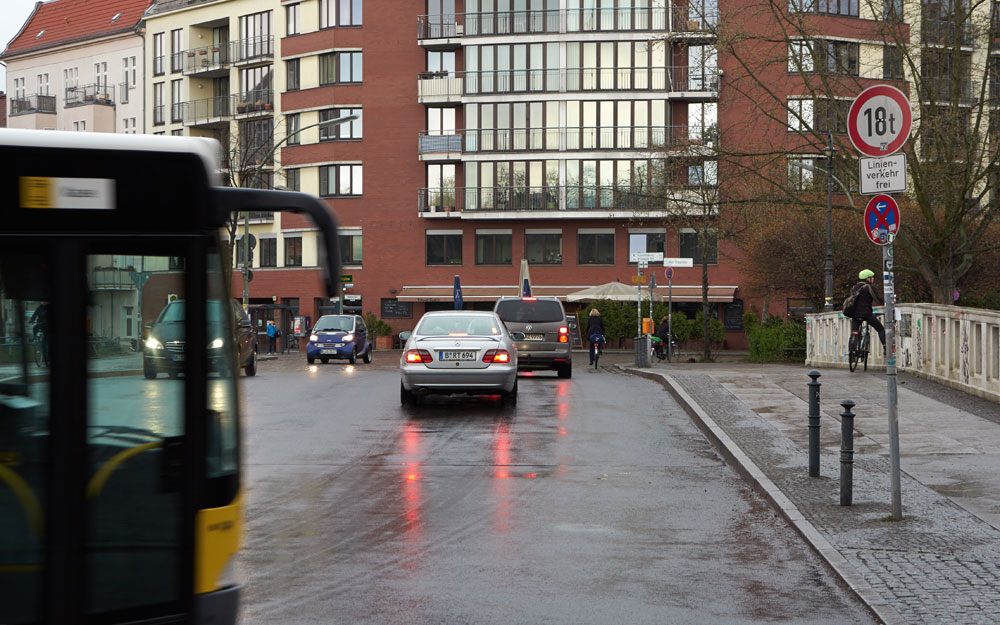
(670, 310)
(878, 124)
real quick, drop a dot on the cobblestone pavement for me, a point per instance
(941, 563)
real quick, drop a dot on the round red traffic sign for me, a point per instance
(879, 120)
(881, 219)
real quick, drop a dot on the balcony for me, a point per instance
(947, 90)
(252, 50)
(683, 140)
(112, 279)
(946, 33)
(682, 81)
(447, 30)
(207, 113)
(261, 217)
(253, 103)
(542, 202)
(90, 94)
(207, 61)
(36, 103)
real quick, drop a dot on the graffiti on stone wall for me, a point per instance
(918, 342)
(965, 353)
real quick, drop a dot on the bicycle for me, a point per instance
(859, 347)
(597, 344)
(41, 348)
(662, 349)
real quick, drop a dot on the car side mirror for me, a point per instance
(518, 336)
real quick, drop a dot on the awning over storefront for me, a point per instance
(476, 293)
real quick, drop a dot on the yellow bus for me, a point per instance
(120, 496)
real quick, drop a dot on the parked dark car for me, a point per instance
(163, 350)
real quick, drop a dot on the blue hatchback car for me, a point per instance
(339, 336)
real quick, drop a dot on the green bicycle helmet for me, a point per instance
(865, 274)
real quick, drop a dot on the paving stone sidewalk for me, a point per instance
(940, 564)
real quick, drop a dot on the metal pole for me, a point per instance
(828, 267)
(814, 423)
(670, 313)
(846, 453)
(890, 377)
(246, 257)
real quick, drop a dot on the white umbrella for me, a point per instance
(615, 291)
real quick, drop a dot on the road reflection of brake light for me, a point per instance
(496, 355)
(418, 355)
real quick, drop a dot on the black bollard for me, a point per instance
(814, 423)
(846, 453)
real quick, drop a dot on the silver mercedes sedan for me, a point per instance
(459, 351)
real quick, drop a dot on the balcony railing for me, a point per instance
(36, 103)
(257, 102)
(262, 216)
(105, 279)
(252, 50)
(90, 94)
(542, 139)
(546, 198)
(947, 90)
(207, 58)
(158, 114)
(676, 79)
(690, 18)
(209, 110)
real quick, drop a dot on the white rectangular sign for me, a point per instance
(636, 257)
(886, 174)
(678, 262)
(69, 193)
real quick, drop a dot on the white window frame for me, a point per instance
(43, 84)
(801, 114)
(292, 20)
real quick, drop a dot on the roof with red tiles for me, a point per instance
(58, 22)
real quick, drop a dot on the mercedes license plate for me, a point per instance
(534, 337)
(456, 355)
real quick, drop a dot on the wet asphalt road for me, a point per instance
(595, 500)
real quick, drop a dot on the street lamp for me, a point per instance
(254, 179)
(829, 150)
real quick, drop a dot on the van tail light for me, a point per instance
(563, 338)
(496, 355)
(563, 330)
(418, 355)
(564, 334)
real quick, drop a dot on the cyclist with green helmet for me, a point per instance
(864, 301)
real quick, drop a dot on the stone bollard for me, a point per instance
(814, 423)
(846, 453)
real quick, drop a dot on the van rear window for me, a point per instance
(538, 311)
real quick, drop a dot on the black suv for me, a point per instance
(542, 320)
(163, 350)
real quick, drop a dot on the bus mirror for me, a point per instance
(233, 200)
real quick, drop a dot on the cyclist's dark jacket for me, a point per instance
(865, 299)
(595, 325)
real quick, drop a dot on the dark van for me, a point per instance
(542, 320)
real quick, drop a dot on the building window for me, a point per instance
(293, 179)
(800, 115)
(494, 248)
(292, 19)
(892, 10)
(255, 35)
(268, 252)
(690, 249)
(848, 8)
(176, 51)
(892, 63)
(350, 249)
(158, 54)
(831, 115)
(158, 103)
(293, 251)
(641, 242)
(347, 130)
(802, 173)
(128, 77)
(177, 132)
(444, 247)
(832, 57)
(595, 248)
(340, 180)
(292, 75)
(256, 143)
(71, 77)
(543, 248)
(43, 84)
(20, 93)
(175, 101)
(80, 126)
(293, 126)
(339, 13)
(339, 67)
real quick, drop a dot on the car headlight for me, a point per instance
(216, 344)
(152, 343)
(313, 338)
(348, 338)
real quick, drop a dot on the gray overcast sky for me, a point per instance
(12, 16)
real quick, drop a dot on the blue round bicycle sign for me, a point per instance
(881, 219)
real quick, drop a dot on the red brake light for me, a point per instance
(418, 355)
(563, 338)
(496, 355)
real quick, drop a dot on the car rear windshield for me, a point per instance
(458, 325)
(334, 324)
(525, 311)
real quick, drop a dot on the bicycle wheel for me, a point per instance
(852, 354)
(38, 352)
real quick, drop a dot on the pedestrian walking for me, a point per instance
(272, 337)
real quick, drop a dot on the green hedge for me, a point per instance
(775, 341)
